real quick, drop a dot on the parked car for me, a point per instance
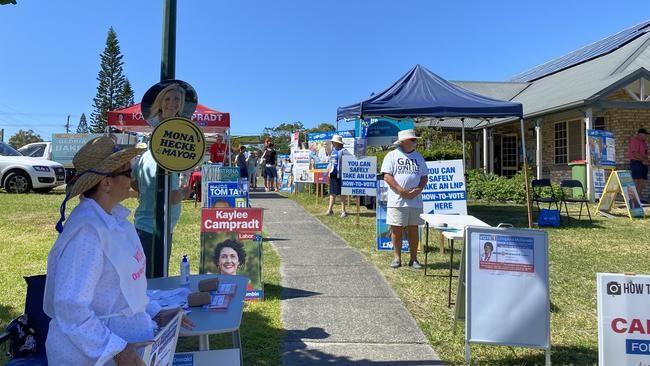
(21, 174)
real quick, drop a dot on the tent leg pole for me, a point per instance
(462, 121)
(523, 149)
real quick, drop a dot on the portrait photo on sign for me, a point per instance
(232, 253)
(167, 99)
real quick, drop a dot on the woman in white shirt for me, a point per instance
(96, 287)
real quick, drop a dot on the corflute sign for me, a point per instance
(623, 319)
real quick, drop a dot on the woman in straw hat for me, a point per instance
(96, 288)
(334, 170)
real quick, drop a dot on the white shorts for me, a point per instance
(404, 216)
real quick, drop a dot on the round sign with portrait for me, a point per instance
(168, 99)
(177, 144)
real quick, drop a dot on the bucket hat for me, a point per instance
(405, 135)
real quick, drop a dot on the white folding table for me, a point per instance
(211, 322)
(452, 228)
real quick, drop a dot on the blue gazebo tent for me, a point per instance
(423, 96)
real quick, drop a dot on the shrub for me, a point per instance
(495, 188)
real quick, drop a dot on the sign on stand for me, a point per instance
(501, 265)
(445, 192)
(382, 229)
(359, 176)
(233, 231)
(620, 181)
(623, 319)
(301, 170)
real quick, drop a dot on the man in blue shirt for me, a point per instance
(144, 181)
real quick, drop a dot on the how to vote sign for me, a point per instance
(359, 176)
(445, 192)
(177, 144)
(623, 319)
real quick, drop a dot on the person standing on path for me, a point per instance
(240, 162)
(405, 172)
(251, 162)
(637, 151)
(269, 159)
(334, 170)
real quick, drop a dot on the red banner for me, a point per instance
(245, 220)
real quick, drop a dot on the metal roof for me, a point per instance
(584, 54)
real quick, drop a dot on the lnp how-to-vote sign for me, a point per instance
(445, 190)
(359, 176)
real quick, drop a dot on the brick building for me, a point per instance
(605, 85)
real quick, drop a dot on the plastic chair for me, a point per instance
(40, 321)
(569, 185)
(538, 186)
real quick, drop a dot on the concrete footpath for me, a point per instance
(336, 307)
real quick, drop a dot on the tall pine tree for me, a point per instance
(82, 127)
(126, 95)
(111, 84)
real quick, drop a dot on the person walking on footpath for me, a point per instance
(637, 151)
(251, 162)
(405, 173)
(334, 170)
(240, 162)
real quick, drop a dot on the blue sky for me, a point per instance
(268, 62)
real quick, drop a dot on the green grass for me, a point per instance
(577, 252)
(27, 234)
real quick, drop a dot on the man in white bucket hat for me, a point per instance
(334, 170)
(405, 172)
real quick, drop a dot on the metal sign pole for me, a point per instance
(162, 220)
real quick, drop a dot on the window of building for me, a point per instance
(561, 145)
(599, 123)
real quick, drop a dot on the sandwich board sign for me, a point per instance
(620, 181)
(500, 265)
(623, 335)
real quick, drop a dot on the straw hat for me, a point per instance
(405, 135)
(98, 158)
(338, 139)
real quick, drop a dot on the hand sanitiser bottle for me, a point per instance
(185, 271)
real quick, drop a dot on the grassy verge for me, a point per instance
(577, 252)
(27, 234)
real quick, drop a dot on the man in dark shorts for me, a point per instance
(334, 170)
(270, 162)
(637, 151)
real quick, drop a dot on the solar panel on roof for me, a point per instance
(584, 54)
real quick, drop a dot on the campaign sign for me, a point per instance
(161, 351)
(623, 319)
(507, 294)
(227, 195)
(177, 144)
(65, 146)
(320, 146)
(301, 171)
(445, 192)
(630, 195)
(598, 177)
(380, 131)
(382, 229)
(506, 253)
(359, 176)
(215, 246)
(231, 219)
(602, 148)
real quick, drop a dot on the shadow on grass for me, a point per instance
(7, 314)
